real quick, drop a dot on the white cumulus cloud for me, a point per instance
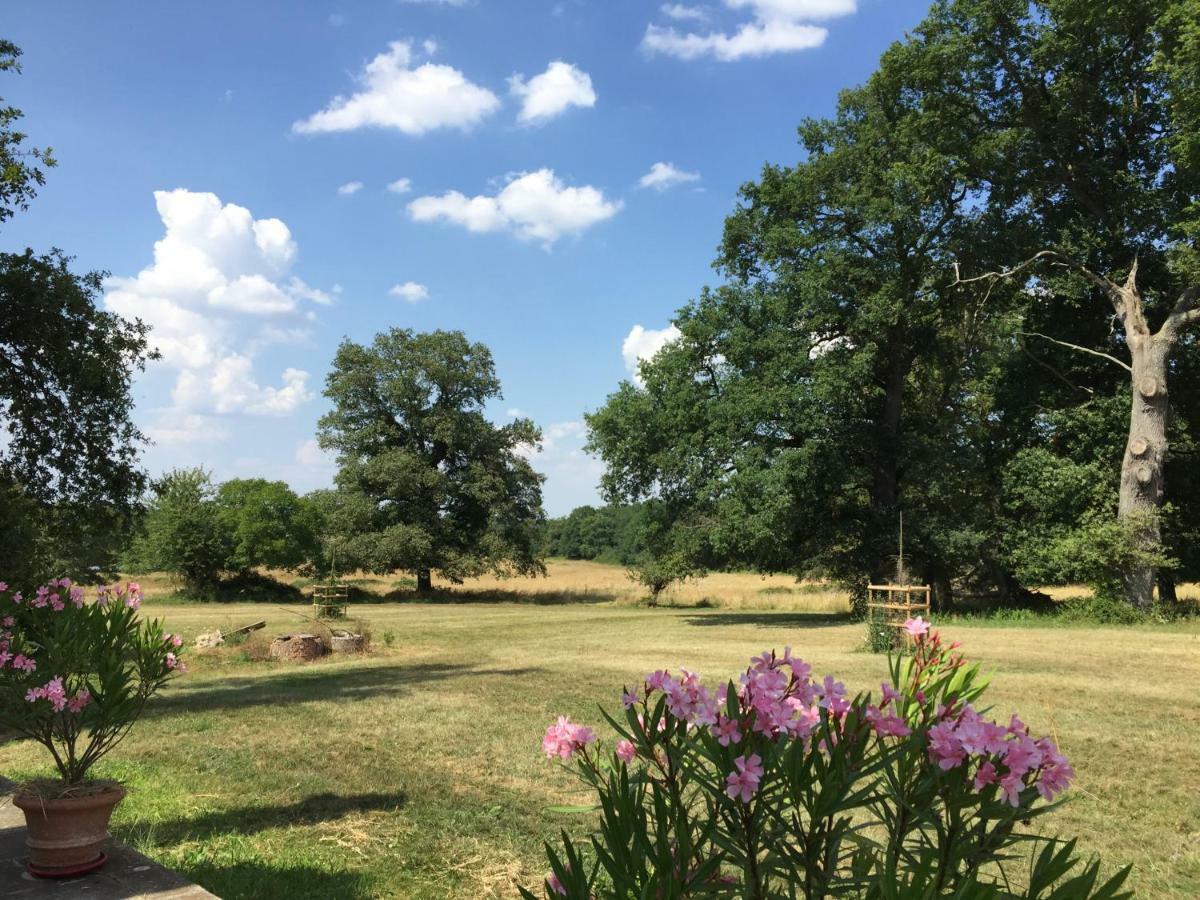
(775, 26)
(642, 344)
(535, 206)
(350, 187)
(572, 474)
(218, 292)
(682, 13)
(410, 291)
(550, 94)
(395, 94)
(400, 186)
(663, 175)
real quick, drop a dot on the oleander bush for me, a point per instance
(782, 785)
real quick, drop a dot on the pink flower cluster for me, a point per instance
(129, 594)
(16, 661)
(742, 783)
(1026, 762)
(565, 738)
(55, 694)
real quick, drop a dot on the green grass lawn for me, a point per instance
(416, 771)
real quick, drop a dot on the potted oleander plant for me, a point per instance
(75, 675)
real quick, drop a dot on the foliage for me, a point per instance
(267, 524)
(78, 674)
(605, 534)
(657, 573)
(72, 448)
(20, 166)
(844, 374)
(69, 476)
(183, 532)
(426, 483)
(780, 785)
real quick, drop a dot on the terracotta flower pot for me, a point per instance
(66, 836)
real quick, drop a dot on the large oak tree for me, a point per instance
(426, 483)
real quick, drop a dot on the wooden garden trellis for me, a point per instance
(329, 600)
(889, 606)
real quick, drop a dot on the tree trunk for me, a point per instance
(424, 581)
(885, 482)
(1145, 452)
(943, 592)
(1166, 588)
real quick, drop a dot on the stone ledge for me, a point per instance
(127, 875)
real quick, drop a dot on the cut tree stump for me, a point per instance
(301, 647)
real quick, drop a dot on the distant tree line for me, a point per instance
(608, 534)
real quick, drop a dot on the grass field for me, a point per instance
(415, 771)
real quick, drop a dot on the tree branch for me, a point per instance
(1114, 292)
(1070, 346)
(1185, 314)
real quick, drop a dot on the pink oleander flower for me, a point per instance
(887, 724)
(1056, 774)
(743, 783)
(1010, 787)
(52, 692)
(833, 697)
(81, 699)
(17, 597)
(656, 680)
(564, 738)
(3, 586)
(985, 776)
(9, 622)
(1022, 755)
(76, 595)
(555, 885)
(20, 661)
(629, 699)
(890, 695)
(626, 751)
(727, 731)
(917, 627)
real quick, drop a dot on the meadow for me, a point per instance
(415, 770)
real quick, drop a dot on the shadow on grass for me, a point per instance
(261, 881)
(772, 620)
(252, 819)
(549, 598)
(276, 687)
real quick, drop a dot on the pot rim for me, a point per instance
(103, 794)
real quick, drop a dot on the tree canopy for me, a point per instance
(69, 451)
(850, 370)
(426, 483)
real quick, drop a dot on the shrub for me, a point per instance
(656, 574)
(75, 676)
(782, 785)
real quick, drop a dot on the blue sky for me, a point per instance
(559, 171)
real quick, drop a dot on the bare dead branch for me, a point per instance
(1070, 346)
(1053, 371)
(1114, 292)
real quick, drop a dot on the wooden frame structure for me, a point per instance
(889, 606)
(329, 600)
